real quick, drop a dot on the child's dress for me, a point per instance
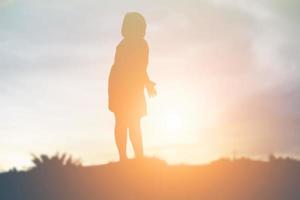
(127, 79)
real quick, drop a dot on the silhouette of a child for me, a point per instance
(127, 80)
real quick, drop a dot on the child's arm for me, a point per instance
(150, 85)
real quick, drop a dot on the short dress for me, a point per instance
(127, 79)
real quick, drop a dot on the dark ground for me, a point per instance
(153, 179)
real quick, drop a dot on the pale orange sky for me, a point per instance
(226, 75)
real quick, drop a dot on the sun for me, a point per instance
(172, 123)
(173, 118)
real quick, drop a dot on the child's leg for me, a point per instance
(121, 137)
(135, 134)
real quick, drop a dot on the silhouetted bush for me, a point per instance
(57, 161)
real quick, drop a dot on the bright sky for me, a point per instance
(227, 75)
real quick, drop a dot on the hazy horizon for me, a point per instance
(227, 76)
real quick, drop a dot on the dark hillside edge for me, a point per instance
(241, 179)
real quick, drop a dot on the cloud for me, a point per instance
(269, 121)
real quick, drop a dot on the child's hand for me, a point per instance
(151, 89)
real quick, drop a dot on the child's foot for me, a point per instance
(123, 159)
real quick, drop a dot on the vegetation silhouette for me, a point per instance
(127, 79)
(63, 178)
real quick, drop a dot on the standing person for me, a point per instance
(127, 80)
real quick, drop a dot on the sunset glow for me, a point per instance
(226, 75)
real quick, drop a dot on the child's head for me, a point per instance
(134, 25)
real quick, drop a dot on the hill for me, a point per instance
(149, 179)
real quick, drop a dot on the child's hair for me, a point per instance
(134, 25)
